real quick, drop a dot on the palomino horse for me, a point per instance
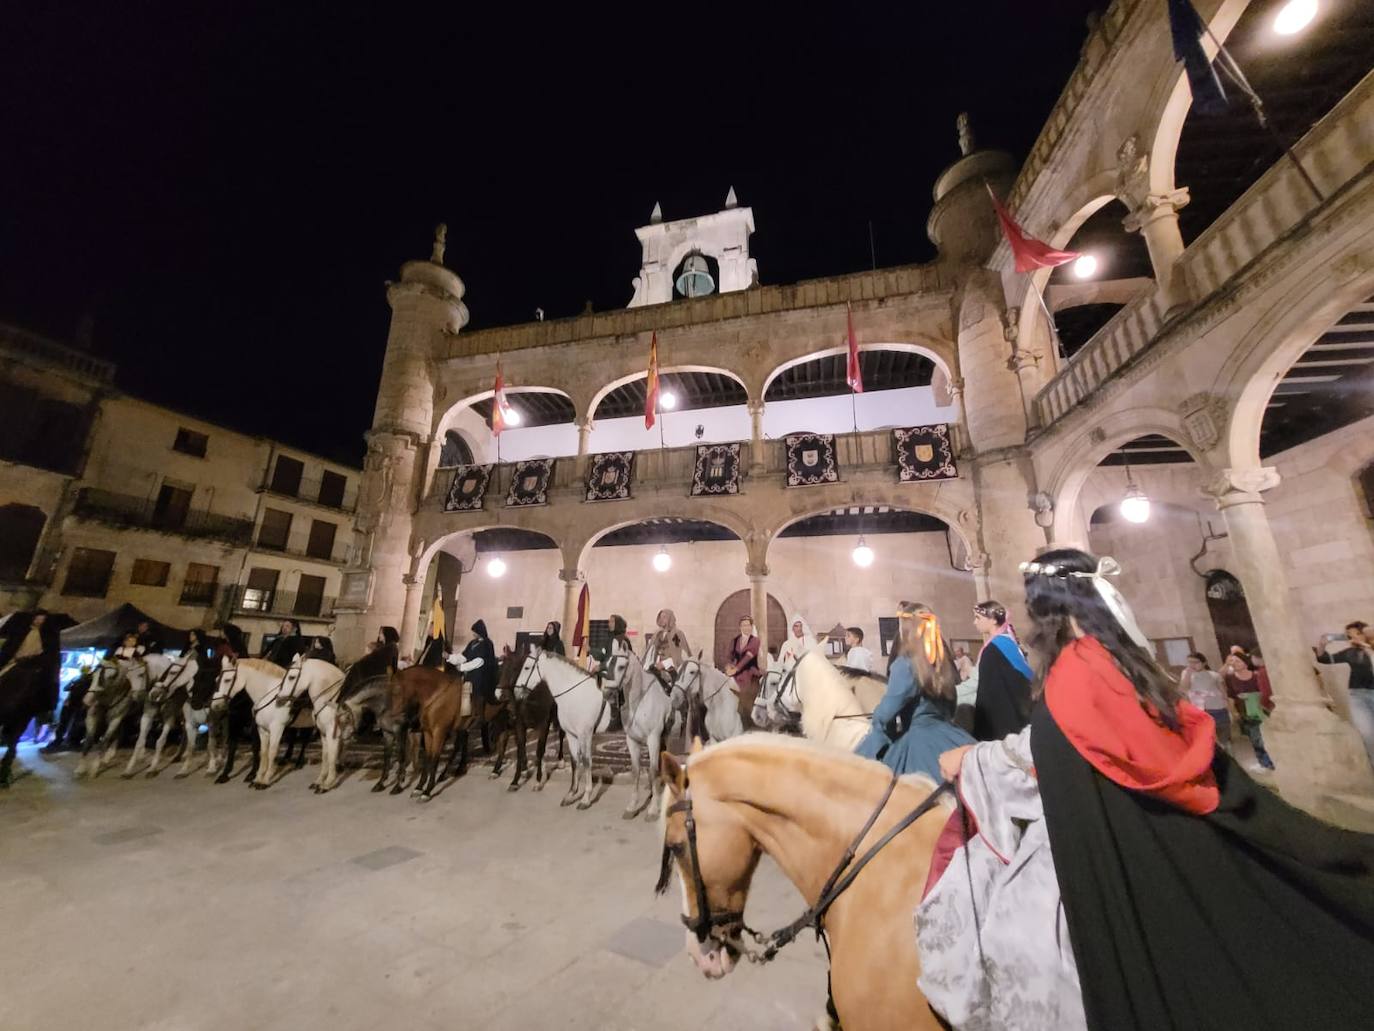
(440, 705)
(718, 695)
(824, 699)
(530, 708)
(583, 710)
(645, 716)
(171, 683)
(805, 806)
(272, 690)
(117, 687)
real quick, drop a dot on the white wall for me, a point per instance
(909, 406)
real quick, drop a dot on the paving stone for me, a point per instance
(652, 942)
(384, 857)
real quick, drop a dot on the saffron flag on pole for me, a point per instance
(582, 630)
(1187, 28)
(498, 402)
(853, 374)
(1030, 253)
(651, 386)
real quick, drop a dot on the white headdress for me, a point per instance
(1111, 597)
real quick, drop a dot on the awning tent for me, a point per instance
(105, 631)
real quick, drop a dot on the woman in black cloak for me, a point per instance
(1195, 899)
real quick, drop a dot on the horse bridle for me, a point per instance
(840, 879)
(723, 684)
(524, 679)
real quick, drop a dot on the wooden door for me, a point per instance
(735, 608)
(1230, 613)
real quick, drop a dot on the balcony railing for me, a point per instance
(297, 545)
(51, 353)
(309, 492)
(127, 510)
(261, 602)
(1337, 152)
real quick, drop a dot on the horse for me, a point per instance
(825, 703)
(23, 697)
(441, 705)
(530, 707)
(583, 710)
(272, 690)
(645, 717)
(117, 688)
(804, 807)
(717, 694)
(363, 691)
(171, 684)
(195, 710)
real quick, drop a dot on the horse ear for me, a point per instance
(674, 774)
(700, 653)
(697, 746)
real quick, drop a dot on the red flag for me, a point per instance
(651, 387)
(582, 631)
(498, 402)
(853, 374)
(1029, 252)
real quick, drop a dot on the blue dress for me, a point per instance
(928, 731)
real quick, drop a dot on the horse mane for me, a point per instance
(833, 697)
(263, 666)
(850, 673)
(571, 663)
(373, 666)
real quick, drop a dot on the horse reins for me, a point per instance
(846, 870)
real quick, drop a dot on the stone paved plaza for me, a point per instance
(167, 905)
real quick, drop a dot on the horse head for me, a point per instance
(226, 684)
(109, 674)
(525, 682)
(179, 672)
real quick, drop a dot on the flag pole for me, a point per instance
(1049, 316)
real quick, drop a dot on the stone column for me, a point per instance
(1026, 367)
(755, 436)
(410, 614)
(1155, 217)
(572, 588)
(1007, 531)
(1317, 755)
(758, 607)
(959, 429)
(584, 436)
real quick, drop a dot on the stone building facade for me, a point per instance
(129, 501)
(1200, 352)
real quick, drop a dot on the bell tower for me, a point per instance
(695, 257)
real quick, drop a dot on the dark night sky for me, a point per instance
(226, 189)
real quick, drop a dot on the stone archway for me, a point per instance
(1230, 612)
(731, 611)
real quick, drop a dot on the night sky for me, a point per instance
(225, 190)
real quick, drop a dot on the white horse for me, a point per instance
(364, 689)
(117, 687)
(583, 710)
(272, 690)
(645, 716)
(824, 698)
(718, 693)
(171, 680)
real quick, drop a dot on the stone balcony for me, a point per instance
(1338, 153)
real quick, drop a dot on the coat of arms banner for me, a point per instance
(609, 475)
(468, 488)
(717, 470)
(811, 459)
(924, 453)
(529, 482)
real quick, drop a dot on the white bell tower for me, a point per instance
(673, 265)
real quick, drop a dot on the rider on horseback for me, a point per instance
(667, 650)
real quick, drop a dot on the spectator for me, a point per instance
(1207, 691)
(1245, 688)
(1359, 656)
(857, 656)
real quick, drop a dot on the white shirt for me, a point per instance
(859, 657)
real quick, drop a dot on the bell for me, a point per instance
(695, 280)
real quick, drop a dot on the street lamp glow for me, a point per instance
(512, 417)
(667, 400)
(1135, 506)
(496, 568)
(663, 561)
(1085, 266)
(862, 554)
(1295, 16)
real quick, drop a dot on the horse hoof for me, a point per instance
(567, 801)
(182, 776)
(584, 805)
(221, 779)
(259, 787)
(152, 773)
(397, 789)
(423, 797)
(379, 786)
(513, 787)
(651, 814)
(629, 814)
(494, 775)
(127, 775)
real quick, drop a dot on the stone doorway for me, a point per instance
(1230, 612)
(735, 608)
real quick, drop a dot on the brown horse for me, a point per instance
(803, 806)
(529, 708)
(435, 702)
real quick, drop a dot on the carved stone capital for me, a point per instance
(1153, 206)
(1241, 486)
(1021, 360)
(571, 576)
(755, 406)
(1204, 416)
(755, 571)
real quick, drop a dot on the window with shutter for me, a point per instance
(275, 529)
(321, 542)
(88, 573)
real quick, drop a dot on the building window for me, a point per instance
(275, 529)
(598, 635)
(41, 431)
(286, 476)
(172, 507)
(88, 573)
(199, 586)
(455, 451)
(321, 542)
(148, 572)
(21, 527)
(189, 442)
(887, 633)
(309, 596)
(332, 487)
(261, 591)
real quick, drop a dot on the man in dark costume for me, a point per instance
(1004, 676)
(483, 678)
(148, 641)
(286, 645)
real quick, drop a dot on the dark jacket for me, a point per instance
(484, 678)
(46, 665)
(1361, 668)
(553, 642)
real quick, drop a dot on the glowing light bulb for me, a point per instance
(667, 400)
(496, 568)
(1085, 266)
(862, 554)
(513, 418)
(1135, 506)
(663, 561)
(1295, 16)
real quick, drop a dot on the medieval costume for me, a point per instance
(485, 674)
(796, 645)
(1003, 706)
(32, 653)
(744, 668)
(667, 649)
(321, 648)
(286, 646)
(552, 641)
(148, 641)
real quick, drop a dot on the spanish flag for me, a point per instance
(582, 630)
(651, 386)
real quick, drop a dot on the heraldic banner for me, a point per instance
(811, 459)
(608, 476)
(924, 453)
(468, 489)
(529, 482)
(717, 470)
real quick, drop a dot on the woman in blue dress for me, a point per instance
(913, 723)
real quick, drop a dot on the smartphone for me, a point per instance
(1333, 637)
